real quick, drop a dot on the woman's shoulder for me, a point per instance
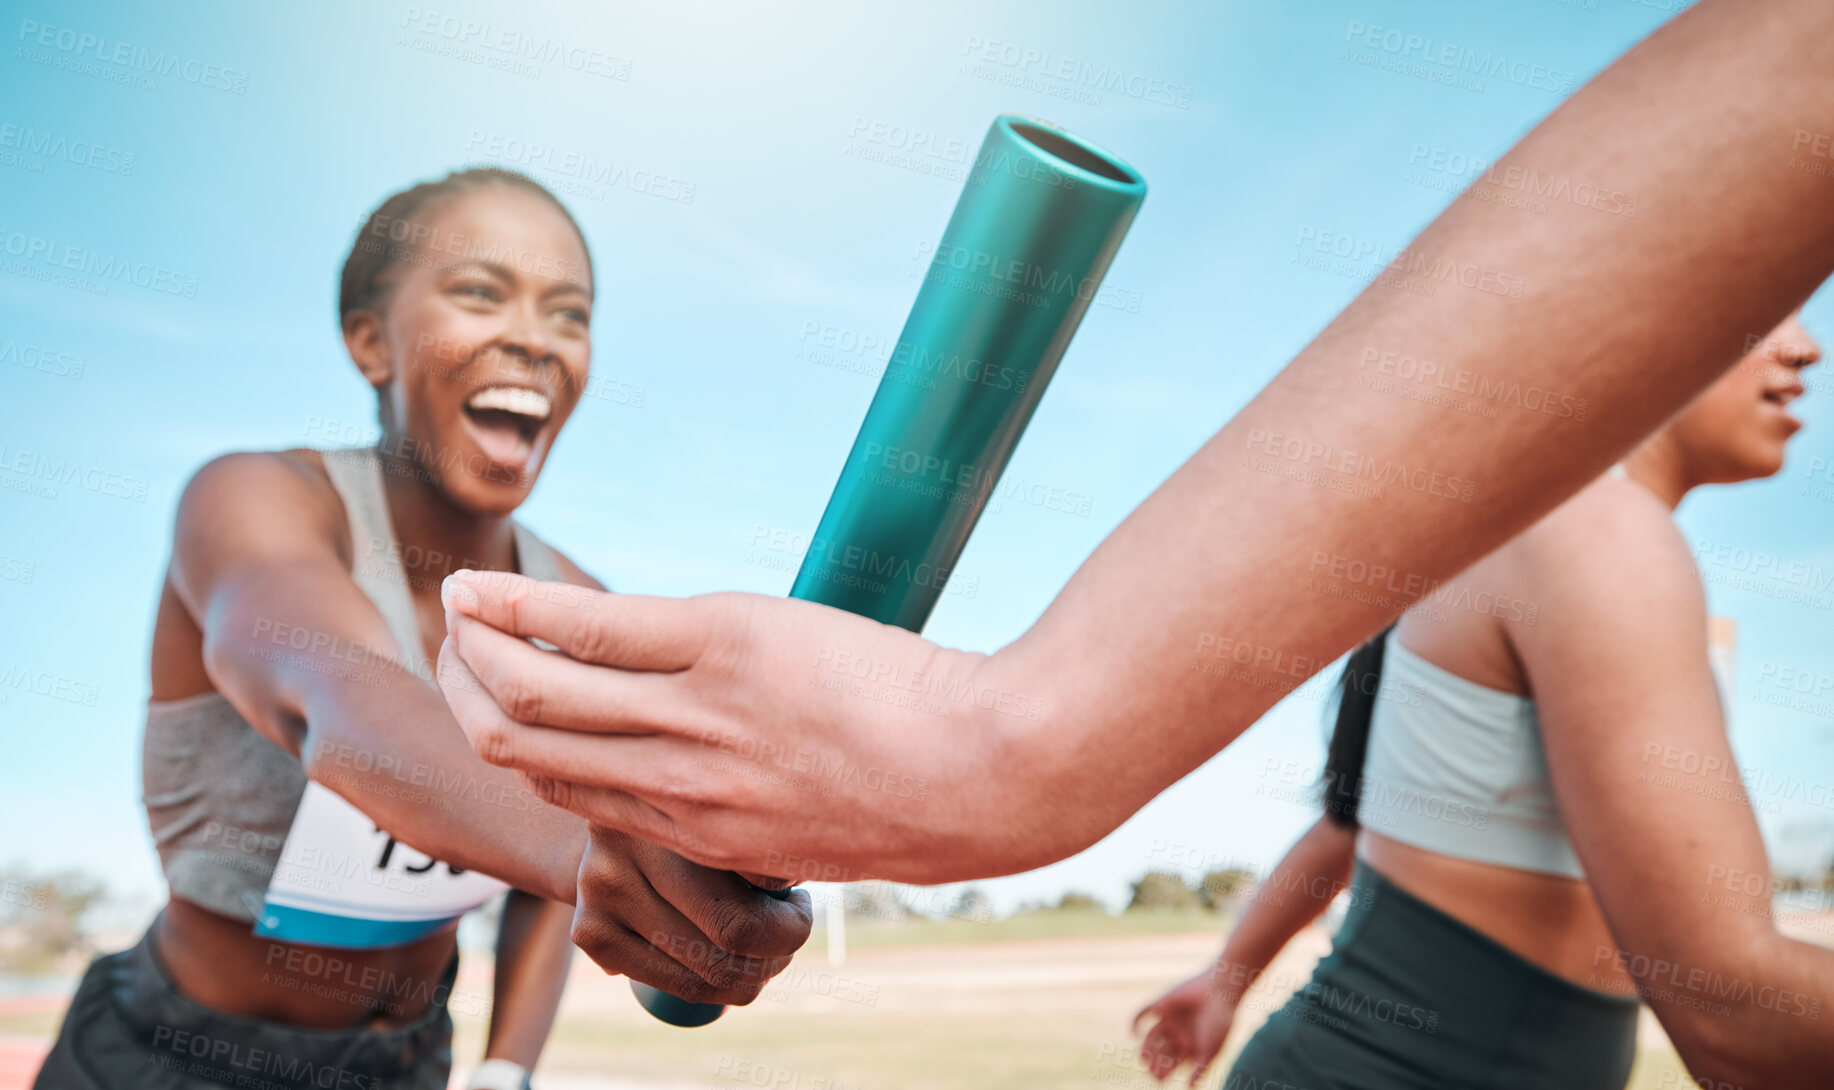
(261, 491)
(303, 464)
(1613, 529)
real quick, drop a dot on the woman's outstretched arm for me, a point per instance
(301, 652)
(786, 738)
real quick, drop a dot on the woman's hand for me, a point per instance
(702, 935)
(1190, 1024)
(769, 736)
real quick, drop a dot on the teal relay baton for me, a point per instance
(1023, 256)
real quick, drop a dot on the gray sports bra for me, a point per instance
(1458, 768)
(220, 797)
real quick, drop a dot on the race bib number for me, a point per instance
(342, 881)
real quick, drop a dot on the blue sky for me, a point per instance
(767, 201)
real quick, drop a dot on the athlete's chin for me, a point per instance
(496, 492)
(1755, 465)
(489, 486)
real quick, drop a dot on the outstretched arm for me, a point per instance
(303, 654)
(1191, 1022)
(307, 659)
(1248, 569)
(1652, 797)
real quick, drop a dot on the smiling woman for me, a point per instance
(466, 266)
(306, 784)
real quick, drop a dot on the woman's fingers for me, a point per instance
(1167, 1042)
(617, 949)
(1173, 1048)
(623, 630)
(530, 685)
(637, 783)
(733, 913)
(543, 751)
(1156, 1051)
(644, 912)
(626, 812)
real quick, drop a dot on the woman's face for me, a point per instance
(1737, 428)
(480, 350)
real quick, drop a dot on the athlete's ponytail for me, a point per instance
(1342, 783)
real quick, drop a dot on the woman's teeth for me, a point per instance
(504, 421)
(519, 400)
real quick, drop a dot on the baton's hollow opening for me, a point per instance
(1077, 155)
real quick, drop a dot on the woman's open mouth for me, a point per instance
(504, 421)
(1781, 397)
